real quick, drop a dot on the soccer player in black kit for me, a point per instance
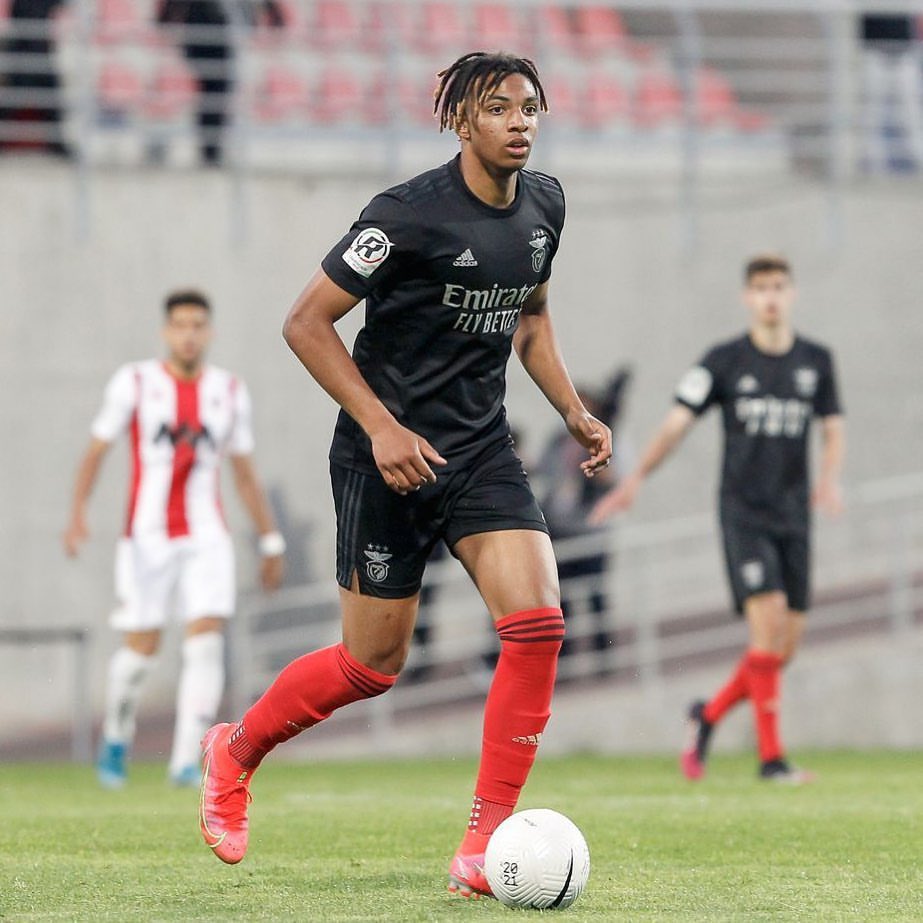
(769, 383)
(453, 266)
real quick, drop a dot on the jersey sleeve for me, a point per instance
(120, 400)
(377, 246)
(699, 386)
(241, 440)
(827, 398)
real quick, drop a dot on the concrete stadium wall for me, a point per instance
(75, 305)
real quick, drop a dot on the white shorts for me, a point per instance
(156, 577)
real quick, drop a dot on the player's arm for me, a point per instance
(827, 494)
(537, 347)
(402, 456)
(674, 427)
(253, 497)
(77, 531)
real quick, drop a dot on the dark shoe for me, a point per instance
(780, 771)
(692, 759)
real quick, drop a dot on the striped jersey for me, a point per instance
(179, 430)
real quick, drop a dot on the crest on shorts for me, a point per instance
(538, 243)
(806, 381)
(753, 574)
(377, 567)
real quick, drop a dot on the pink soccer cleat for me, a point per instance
(466, 877)
(223, 797)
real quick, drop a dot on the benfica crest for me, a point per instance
(377, 567)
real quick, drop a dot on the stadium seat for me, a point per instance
(658, 99)
(442, 28)
(562, 99)
(337, 98)
(599, 30)
(335, 24)
(405, 97)
(555, 29)
(497, 28)
(716, 103)
(607, 102)
(119, 21)
(172, 90)
(280, 94)
(119, 87)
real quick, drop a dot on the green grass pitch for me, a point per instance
(372, 841)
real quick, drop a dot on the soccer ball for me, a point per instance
(537, 858)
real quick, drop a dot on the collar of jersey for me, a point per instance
(456, 174)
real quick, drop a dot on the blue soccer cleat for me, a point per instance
(110, 765)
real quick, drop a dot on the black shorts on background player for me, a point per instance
(761, 559)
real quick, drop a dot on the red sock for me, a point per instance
(763, 674)
(735, 690)
(306, 692)
(517, 710)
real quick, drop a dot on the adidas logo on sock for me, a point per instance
(465, 259)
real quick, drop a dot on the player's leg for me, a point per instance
(144, 576)
(516, 575)
(753, 568)
(767, 617)
(380, 562)
(205, 601)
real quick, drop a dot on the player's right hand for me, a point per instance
(404, 458)
(74, 536)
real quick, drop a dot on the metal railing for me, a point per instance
(665, 604)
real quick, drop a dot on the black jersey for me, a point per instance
(444, 277)
(767, 403)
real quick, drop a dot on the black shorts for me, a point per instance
(763, 560)
(385, 538)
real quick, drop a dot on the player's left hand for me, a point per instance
(828, 498)
(272, 570)
(594, 436)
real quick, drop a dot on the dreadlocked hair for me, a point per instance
(477, 75)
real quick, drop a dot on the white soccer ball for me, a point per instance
(537, 858)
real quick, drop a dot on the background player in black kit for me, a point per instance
(769, 384)
(453, 266)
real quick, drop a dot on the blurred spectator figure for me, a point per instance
(568, 499)
(893, 79)
(208, 43)
(31, 86)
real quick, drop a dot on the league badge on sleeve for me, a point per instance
(538, 244)
(368, 251)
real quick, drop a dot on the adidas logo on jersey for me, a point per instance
(465, 259)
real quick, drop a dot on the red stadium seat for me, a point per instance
(119, 87)
(555, 29)
(599, 30)
(716, 103)
(119, 21)
(497, 28)
(658, 99)
(563, 105)
(336, 24)
(280, 94)
(607, 102)
(405, 97)
(172, 91)
(442, 28)
(337, 98)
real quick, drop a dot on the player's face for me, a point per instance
(769, 296)
(501, 128)
(187, 333)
